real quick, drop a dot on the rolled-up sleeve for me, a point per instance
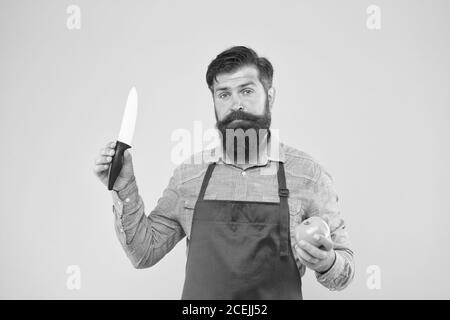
(324, 203)
(147, 239)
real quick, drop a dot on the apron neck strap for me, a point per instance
(283, 192)
(206, 180)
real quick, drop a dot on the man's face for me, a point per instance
(241, 101)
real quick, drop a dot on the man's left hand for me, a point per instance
(318, 258)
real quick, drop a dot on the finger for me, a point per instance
(100, 168)
(312, 250)
(306, 263)
(107, 152)
(103, 160)
(324, 241)
(112, 144)
(312, 266)
(305, 255)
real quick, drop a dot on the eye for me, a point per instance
(247, 91)
(223, 95)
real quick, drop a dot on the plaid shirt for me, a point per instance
(147, 238)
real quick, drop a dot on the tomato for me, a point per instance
(311, 226)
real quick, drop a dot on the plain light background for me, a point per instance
(371, 105)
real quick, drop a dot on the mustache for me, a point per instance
(240, 115)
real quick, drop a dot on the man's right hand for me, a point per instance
(103, 162)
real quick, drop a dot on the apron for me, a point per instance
(241, 249)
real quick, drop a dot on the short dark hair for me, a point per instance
(235, 58)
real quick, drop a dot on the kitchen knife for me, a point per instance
(125, 137)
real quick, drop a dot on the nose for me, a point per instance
(236, 102)
(237, 106)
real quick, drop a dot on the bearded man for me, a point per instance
(238, 209)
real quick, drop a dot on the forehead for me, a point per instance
(235, 78)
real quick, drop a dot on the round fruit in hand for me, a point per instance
(311, 226)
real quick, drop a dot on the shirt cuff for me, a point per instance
(128, 190)
(128, 196)
(330, 278)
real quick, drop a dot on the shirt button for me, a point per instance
(127, 200)
(244, 173)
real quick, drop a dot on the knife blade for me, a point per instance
(125, 138)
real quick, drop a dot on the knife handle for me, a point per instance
(116, 163)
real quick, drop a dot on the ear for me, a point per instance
(271, 96)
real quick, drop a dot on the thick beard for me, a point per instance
(250, 121)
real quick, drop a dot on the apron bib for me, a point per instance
(241, 249)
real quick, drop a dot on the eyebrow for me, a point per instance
(240, 86)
